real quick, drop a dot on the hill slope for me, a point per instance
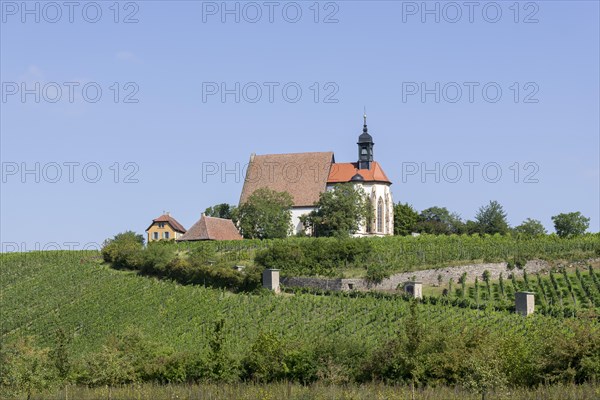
(91, 302)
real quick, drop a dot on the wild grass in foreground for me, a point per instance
(287, 391)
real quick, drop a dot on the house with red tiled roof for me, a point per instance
(211, 228)
(306, 175)
(165, 227)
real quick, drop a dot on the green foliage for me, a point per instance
(531, 227)
(265, 215)
(570, 224)
(109, 367)
(25, 368)
(481, 369)
(222, 210)
(463, 284)
(155, 258)
(376, 274)
(266, 360)
(339, 212)
(59, 355)
(129, 358)
(405, 219)
(332, 257)
(201, 264)
(491, 219)
(220, 367)
(323, 256)
(124, 250)
(439, 221)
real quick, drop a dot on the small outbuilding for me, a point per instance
(211, 228)
(525, 303)
(414, 289)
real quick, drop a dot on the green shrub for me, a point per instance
(124, 250)
(156, 257)
(376, 274)
(266, 360)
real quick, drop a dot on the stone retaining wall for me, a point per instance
(427, 276)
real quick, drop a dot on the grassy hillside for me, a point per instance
(76, 291)
(264, 337)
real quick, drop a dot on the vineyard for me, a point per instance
(557, 292)
(41, 291)
(340, 337)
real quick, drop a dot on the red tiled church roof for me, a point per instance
(171, 221)
(343, 172)
(212, 228)
(302, 175)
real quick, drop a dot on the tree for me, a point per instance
(405, 219)
(339, 212)
(219, 365)
(222, 210)
(265, 215)
(531, 227)
(491, 219)
(481, 369)
(266, 359)
(59, 354)
(124, 250)
(470, 227)
(24, 368)
(570, 224)
(439, 221)
(127, 236)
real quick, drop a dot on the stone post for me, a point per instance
(414, 289)
(270, 279)
(525, 303)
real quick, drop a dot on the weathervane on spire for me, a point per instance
(365, 115)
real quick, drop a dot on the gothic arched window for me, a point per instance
(387, 216)
(373, 219)
(380, 215)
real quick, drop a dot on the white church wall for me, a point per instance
(376, 191)
(296, 213)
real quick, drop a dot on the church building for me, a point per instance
(306, 175)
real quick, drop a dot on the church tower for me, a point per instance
(365, 147)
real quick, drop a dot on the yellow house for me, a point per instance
(165, 227)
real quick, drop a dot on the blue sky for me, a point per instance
(160, 119)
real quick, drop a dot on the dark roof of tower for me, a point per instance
(364, 136)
